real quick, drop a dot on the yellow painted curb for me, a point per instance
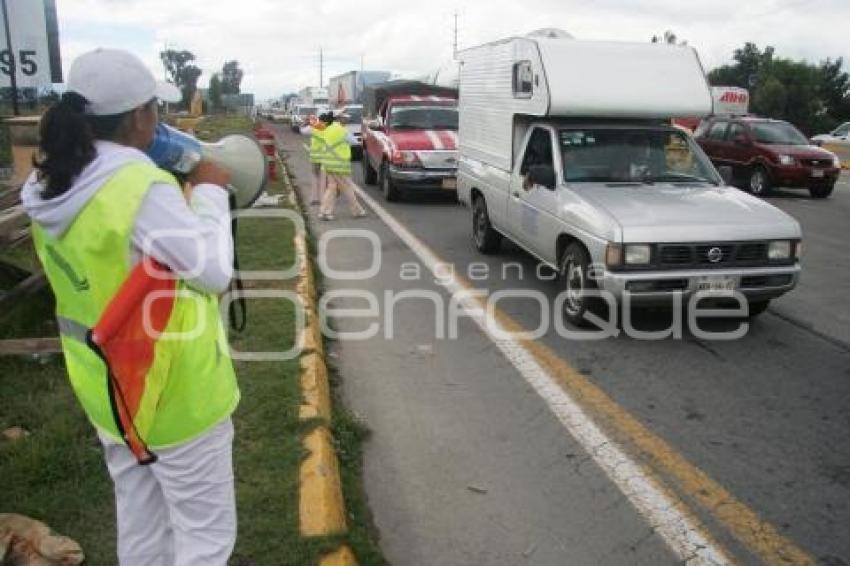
(342, 557)
(314, 385)
(321, 507)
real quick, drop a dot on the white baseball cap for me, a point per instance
(116, 81)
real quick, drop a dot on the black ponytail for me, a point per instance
(66, 142)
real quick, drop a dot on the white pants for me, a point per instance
(180, 510)
(340, 184)
(319, 182)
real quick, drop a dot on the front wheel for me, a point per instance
(391, 193)
(575, 273)
(370, 176)
(759, 181)
(758, 307)
(821, 192)
(487, 240)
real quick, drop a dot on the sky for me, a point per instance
(277, 41)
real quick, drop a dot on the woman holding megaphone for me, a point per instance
(151, 370)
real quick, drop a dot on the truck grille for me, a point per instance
(702, 255)
(438, 159)
(817, 162)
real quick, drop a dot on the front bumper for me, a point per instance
(803, 176)
(757, 283)
(424, 179)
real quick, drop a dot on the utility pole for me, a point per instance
(454, 45)
(13, 62)
(321, 68)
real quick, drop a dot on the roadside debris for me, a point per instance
(15, 433)
(28, 542)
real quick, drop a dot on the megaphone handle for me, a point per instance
(237, 311)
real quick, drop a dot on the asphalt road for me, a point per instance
(468, 465)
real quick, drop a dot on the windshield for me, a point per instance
(633, 155)
(355, 115)
(423, 118)
(778, 133)
(306, 110)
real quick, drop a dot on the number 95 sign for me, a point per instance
(35, 44)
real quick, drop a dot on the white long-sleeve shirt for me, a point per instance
(192, 238)
(349, 137)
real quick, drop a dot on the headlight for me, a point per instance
(637, 254)
(786, 160)
(779, 250)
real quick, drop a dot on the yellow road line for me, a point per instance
(660, 459)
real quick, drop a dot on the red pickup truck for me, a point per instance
(410, 138)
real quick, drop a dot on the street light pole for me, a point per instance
(13, 67)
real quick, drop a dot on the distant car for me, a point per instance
(765, 153)
(841, 133)
(300, 115)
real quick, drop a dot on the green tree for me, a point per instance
(181, 71)
(215, 92)
(231, 77)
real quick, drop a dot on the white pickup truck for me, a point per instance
(566, 148)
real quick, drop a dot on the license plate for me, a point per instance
(716, 284)
(817, 173)
(449, 183)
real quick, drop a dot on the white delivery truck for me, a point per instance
(567, 149)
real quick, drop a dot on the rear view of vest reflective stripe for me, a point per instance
(338, 158)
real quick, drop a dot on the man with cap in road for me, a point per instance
(336, 142)
(100, 210)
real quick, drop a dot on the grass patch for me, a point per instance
(58, 475)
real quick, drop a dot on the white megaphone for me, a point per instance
(240, 155)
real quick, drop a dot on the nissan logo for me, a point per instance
(714, 255)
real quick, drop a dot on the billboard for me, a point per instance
(34, 31)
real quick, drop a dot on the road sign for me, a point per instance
(34, 47)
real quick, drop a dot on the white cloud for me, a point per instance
(277, 42)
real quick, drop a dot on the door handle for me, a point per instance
(515, 195)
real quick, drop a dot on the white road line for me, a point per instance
(680, 532)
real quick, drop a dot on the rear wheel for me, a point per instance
(391, 193)
(575, 273)
(759, 181)
(487, 240)
(821, 192)
(370, 176)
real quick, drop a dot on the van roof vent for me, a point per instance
(551, 33)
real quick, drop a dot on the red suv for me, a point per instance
(764, 153)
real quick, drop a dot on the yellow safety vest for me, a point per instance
(190, 385)
(337, 160)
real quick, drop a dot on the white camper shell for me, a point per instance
(566, 147)
(561, 77)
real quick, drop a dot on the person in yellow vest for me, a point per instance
(99, 206)
(317, 149)
(336, 163)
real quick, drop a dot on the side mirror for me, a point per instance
(726, 174)
(375, 124)
(543, 175)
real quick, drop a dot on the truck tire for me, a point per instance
(575, 275)
(487, 239)
(391, 193)
(821, 192)
(759, 184)
(370, 177)
(758, 307)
